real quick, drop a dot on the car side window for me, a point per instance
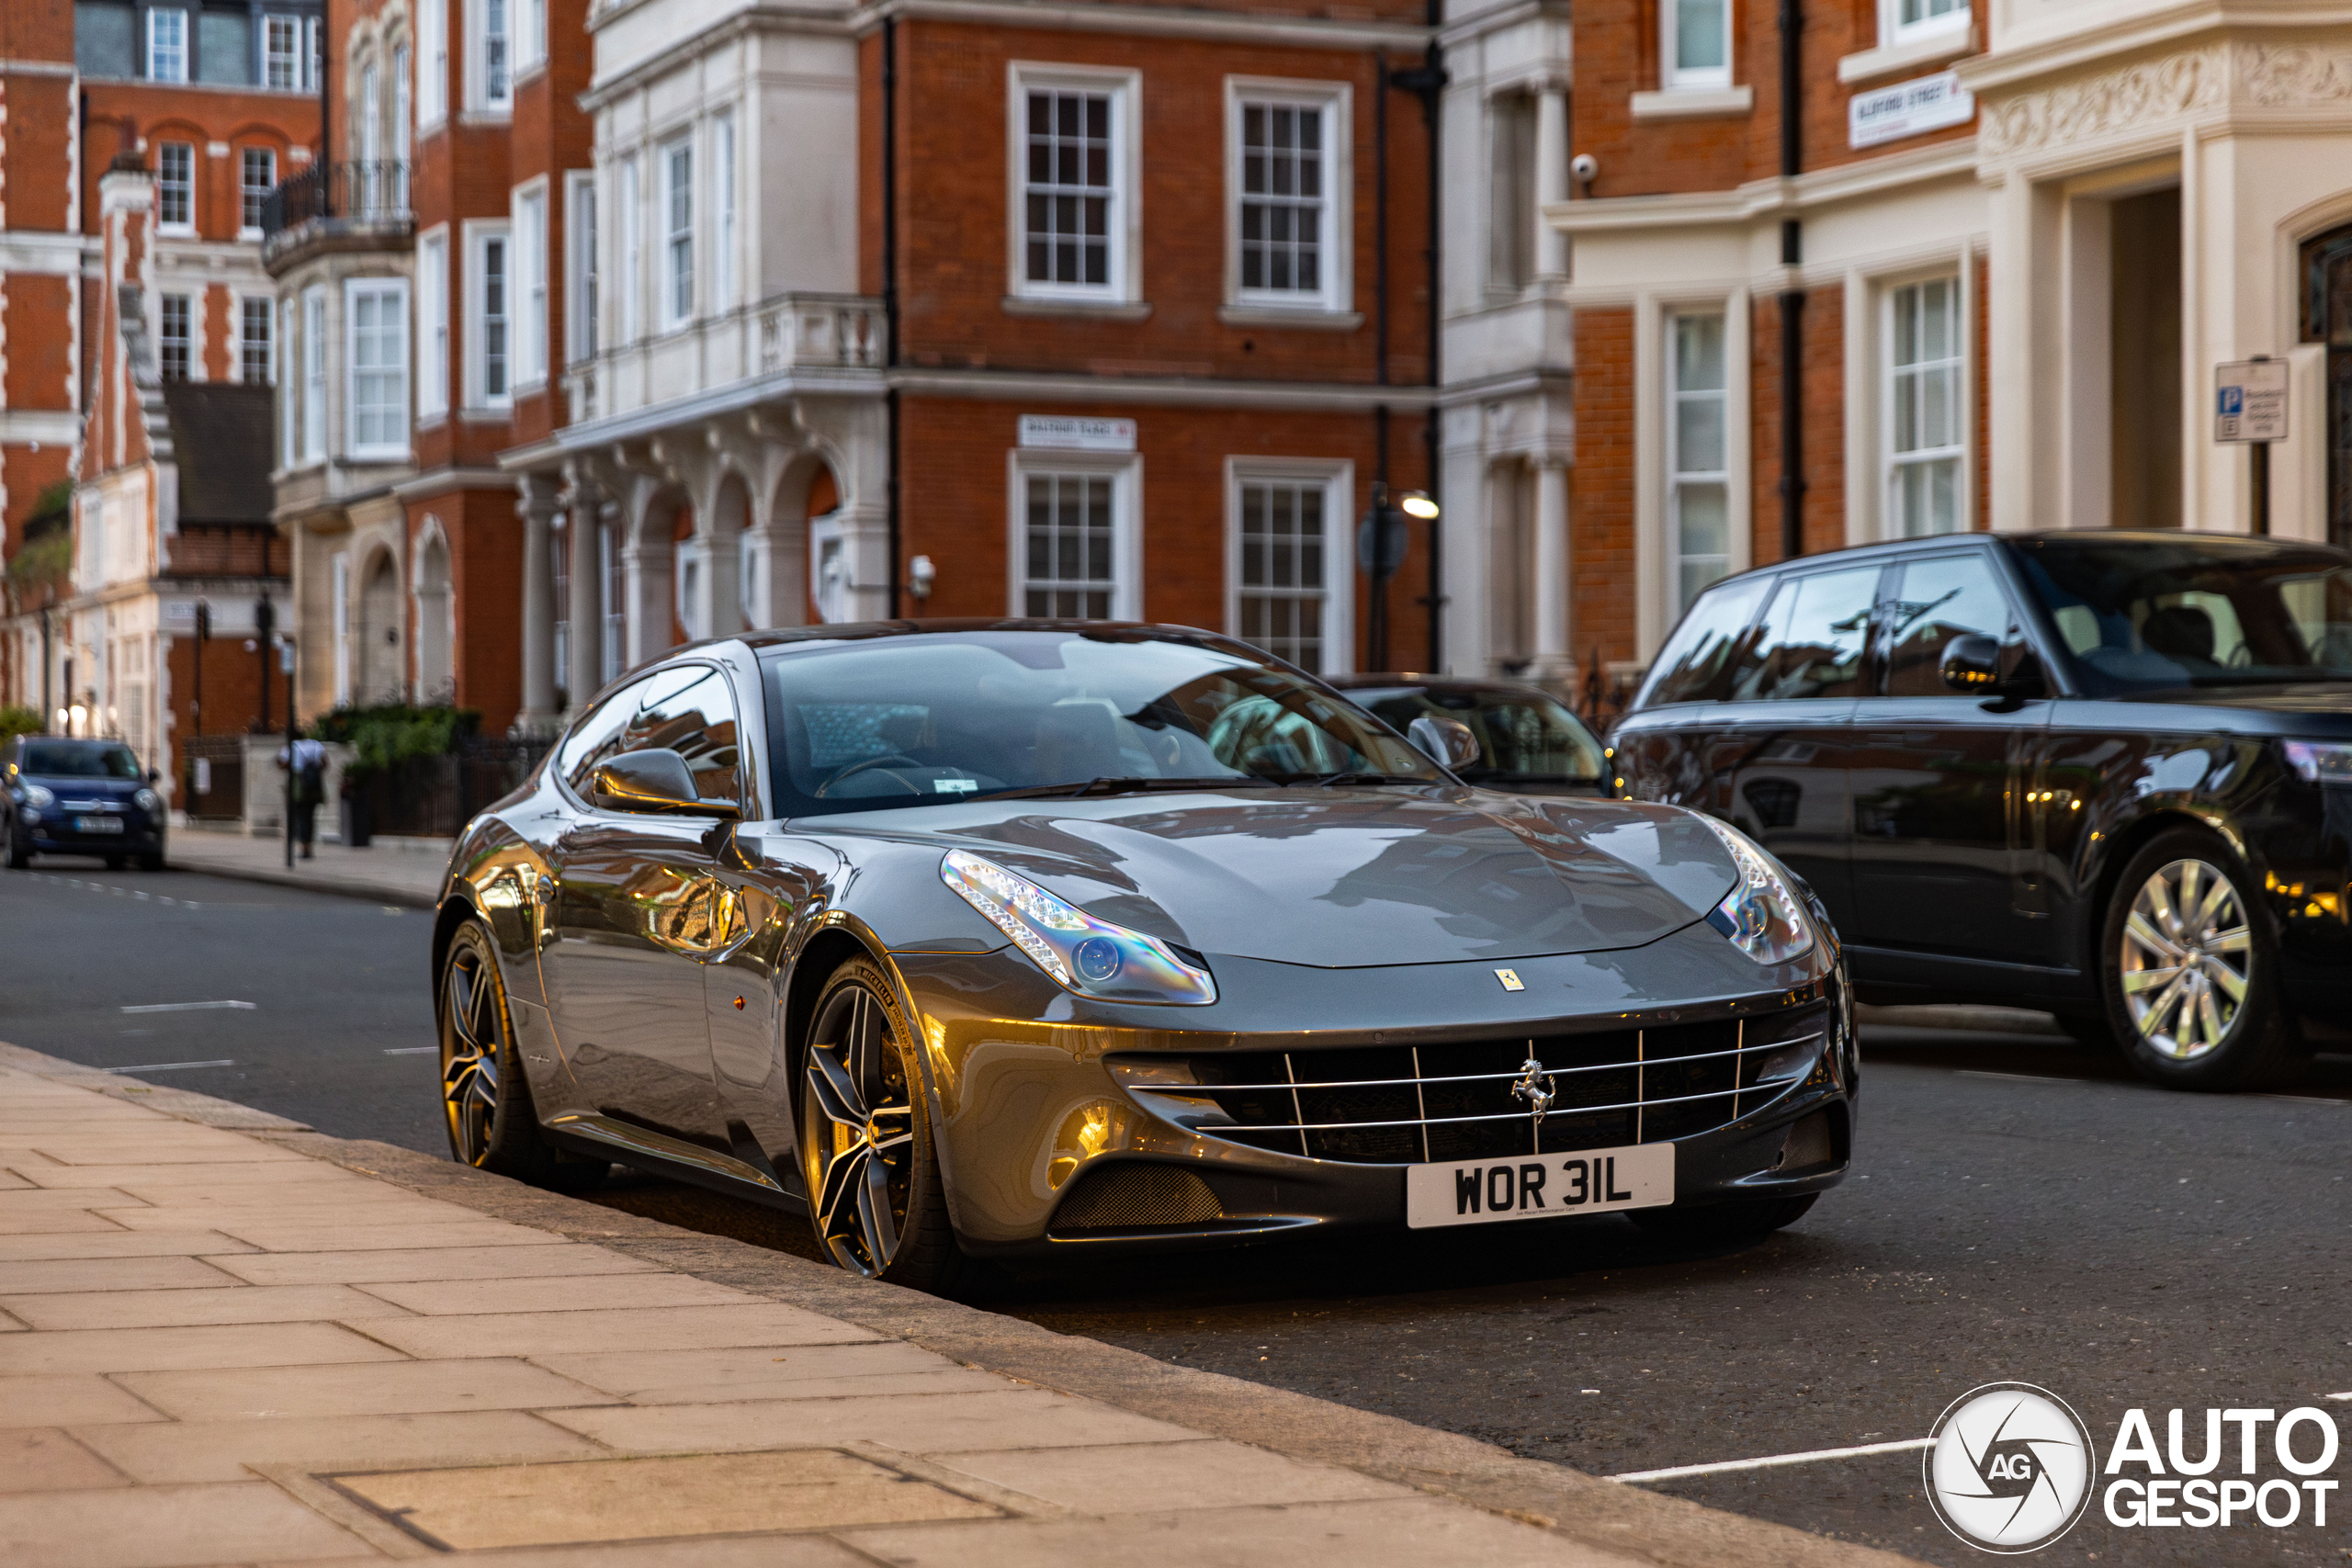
(1937, 599)
(594, 738)
(697, 720)
(1690, 667)
(1813, 638)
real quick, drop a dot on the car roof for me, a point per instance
(1986, 541)
(856, 631)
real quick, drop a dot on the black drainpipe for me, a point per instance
(1427, 81)
(891, 274)
(1792, 300)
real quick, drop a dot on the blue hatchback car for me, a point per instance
(66, 796)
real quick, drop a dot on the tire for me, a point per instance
(2215, 1021)
(876, 1197)
(116, 862)
(20, 849)
(1743, 1220)
(485, 1096)
(152, 863)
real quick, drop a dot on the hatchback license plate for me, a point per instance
(98, 824)
(1590, 1182)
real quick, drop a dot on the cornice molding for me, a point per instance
(2223, 78)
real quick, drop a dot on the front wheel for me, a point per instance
(485, 1099)
(20, 849)
(875, 1195)
(2190, 967)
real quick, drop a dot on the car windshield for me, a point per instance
(1525, 736)
(78, 760)
(937, 716)
(2142, 614)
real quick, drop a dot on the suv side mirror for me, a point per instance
(1446, 741)
(1972, 664)
(655, 781)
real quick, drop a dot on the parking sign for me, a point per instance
(2250, 400)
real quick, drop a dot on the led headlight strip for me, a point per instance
(1090, 956)
(1761, 914)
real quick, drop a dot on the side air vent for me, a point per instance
(1114, 1197)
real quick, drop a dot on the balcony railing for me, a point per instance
(361, 192)
(786, 333)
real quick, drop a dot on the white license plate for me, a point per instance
(98, 824)
(1590, 1182)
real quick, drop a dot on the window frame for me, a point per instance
(1895, 32)
(396, 290)
(489, 57)
(1675, 478)
(725, 180)
(431, 63)
(527, 266)
(1672, 75)
(479, 235)
(182, 50)
(315, 374)
(167, 304)
(1123, 228)
(1890, 462)
(582, 275)
(629, 240)
(1335, 102)
(432, 394)
(185, 226)
(274, 22)
(1124, 470)
(251, 200)
(246, 303)
(676, 240)
(290, 409)
(1336, 477)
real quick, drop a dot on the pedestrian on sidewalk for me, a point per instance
(308, 759)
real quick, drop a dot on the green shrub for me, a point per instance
(14, 721)
(383, 738)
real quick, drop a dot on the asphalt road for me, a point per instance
(2020, 1209)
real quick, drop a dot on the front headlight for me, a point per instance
(1761, 914)
(2318, 761)
(39, 794)
(1090, 956)
(146, 800)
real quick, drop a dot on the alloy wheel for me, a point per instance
(864, 1133)
(472, 1048)
(2187, 959)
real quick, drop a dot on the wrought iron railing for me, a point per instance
(369, 191)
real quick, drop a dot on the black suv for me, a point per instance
(65, 796)
(2108, 774)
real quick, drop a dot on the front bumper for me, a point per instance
(1035, 1096)
(59, 836)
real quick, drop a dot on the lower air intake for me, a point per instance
(1115, 1197)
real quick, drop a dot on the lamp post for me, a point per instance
(265, 622)
(1382, 541)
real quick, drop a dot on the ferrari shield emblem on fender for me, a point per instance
(1509, 977)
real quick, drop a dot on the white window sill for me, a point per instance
(1313, 318)
(488, 114)
(176, 231)
(432, 419)
(377, 455)
(247, 236)
(487, 414)
(1070, 305)
(1694, 103)
(1927, 49)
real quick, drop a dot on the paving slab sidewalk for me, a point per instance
(226, 1339)
(407, 873)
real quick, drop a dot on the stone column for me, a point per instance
(646, 576)
(536, 503)
(585, 502)
(1555, 657)
(1551, 180)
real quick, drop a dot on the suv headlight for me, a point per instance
(147, 800)
(38, 795)
(1090, 956)
(2318, 761)
(1761, 914)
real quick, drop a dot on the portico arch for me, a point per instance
(378, 658)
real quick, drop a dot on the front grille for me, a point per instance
(1113, 1197)
(1401, 1104)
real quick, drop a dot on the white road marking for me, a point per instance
(412, 1050)
(190, 1007)
(1906, 1445)
(170, 1066)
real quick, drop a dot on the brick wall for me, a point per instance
(1603, 576)
(1824, 417)
(485, 542)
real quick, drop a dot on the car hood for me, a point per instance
(83, 787)
(1350, 878)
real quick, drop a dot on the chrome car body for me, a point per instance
(1387, 959)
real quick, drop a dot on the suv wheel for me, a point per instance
(2190, 967)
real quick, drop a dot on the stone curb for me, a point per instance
(373, 892)
(1630, 1521)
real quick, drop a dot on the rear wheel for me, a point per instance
(152, 863)
(485, 1098)
(2190, 967)
(116, 862)
(20, 849)
(1741, 1221)
(875, 1195)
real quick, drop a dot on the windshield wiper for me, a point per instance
(1325, 781)
(1107, 786)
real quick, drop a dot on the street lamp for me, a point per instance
(265, 620)
(1382, 540)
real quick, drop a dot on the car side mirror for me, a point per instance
(1972, 664)
(1447, 741)
(654, 782)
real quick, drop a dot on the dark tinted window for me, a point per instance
(1936, 600)
(689, 709)
(78, 760)
(950, 716)
(1523, 735)
(1695, 661)
(1812, 640)
(2142, 615)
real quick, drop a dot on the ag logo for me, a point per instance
(2009, 1468)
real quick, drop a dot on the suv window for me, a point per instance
(687, 708)
(1813, 638)
(1936, 600)
(1691, 666)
